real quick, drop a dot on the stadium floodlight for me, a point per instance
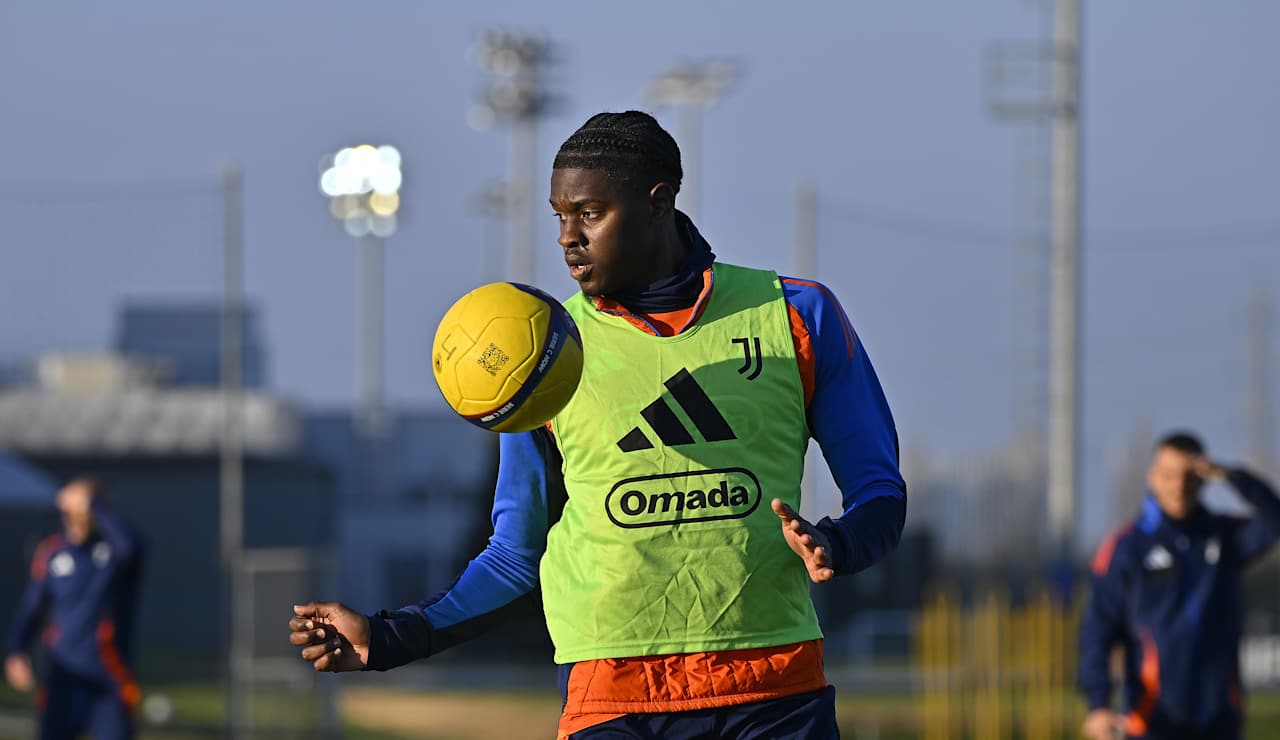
(693, 83)
(691, 88)
(516, 94)
(363, 186)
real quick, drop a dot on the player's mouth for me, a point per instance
(579, 267)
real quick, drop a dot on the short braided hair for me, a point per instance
(629, 146)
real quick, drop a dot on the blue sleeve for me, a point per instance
(1102, 624)
(120, 573)
(850, 419)
(1257, 534)
(502, 579)
(125, 542)
(30, 611)
(126, 551)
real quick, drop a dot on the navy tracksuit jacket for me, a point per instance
(81, 600)
(1168, 592)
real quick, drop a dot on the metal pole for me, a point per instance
(518, 97)
(692, 88)
(522, 184)
(1031, 208)
(805, 258)
(691, 153)
(370, 338)
(1064, 362)
(804, 261)
(231, 468)
(1259, 402)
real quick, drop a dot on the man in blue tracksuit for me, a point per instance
(1166, 589)
(81, 600)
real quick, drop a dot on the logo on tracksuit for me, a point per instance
(1158, 558)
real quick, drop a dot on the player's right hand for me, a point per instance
(335, 637)
(1102, 724)
(1208, 470)
(17, 671)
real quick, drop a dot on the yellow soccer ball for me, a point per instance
(507, 357)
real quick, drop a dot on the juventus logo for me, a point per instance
(746, 350)
(664, 422)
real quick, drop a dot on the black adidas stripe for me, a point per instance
(665, 422)
(702, 412)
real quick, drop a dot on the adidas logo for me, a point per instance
(1158, 558)
(663, 421)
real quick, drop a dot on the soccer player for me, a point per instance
(657, 513)
(1166, 589)
(81, 599)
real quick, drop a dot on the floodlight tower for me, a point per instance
(1060, 60)
(516, 95)
(363, 186)
(692, 87)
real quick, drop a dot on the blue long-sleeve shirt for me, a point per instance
(82, 599)
(848, 415)
(1168, 592)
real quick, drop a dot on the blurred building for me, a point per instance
(157, 449)
(408, 517)
(414, 515)
(184, 341)
(146, 417)
(985, 512)
(26, 515)
(379, 523)
(868, 615)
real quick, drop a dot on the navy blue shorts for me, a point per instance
(74, 705)
(810, 716)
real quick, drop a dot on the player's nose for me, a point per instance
(570, 235)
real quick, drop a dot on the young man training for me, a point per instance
(1166, 590)
(656, 513)
(81, 600)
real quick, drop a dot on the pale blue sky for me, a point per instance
(878, 103)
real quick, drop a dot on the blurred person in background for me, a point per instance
(668, 625)
(1166, 590)
(81, 600)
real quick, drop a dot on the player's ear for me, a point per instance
(662, 201)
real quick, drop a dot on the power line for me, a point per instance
(104, 190)
(1002, 238)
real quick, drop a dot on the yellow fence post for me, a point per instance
(935, 656)
(990, 671)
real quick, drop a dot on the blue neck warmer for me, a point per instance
(677, 291)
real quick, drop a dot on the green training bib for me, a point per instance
(673, 448)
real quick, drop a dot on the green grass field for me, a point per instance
(399, 714)
(469, 716)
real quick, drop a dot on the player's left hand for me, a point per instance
(807, 541)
